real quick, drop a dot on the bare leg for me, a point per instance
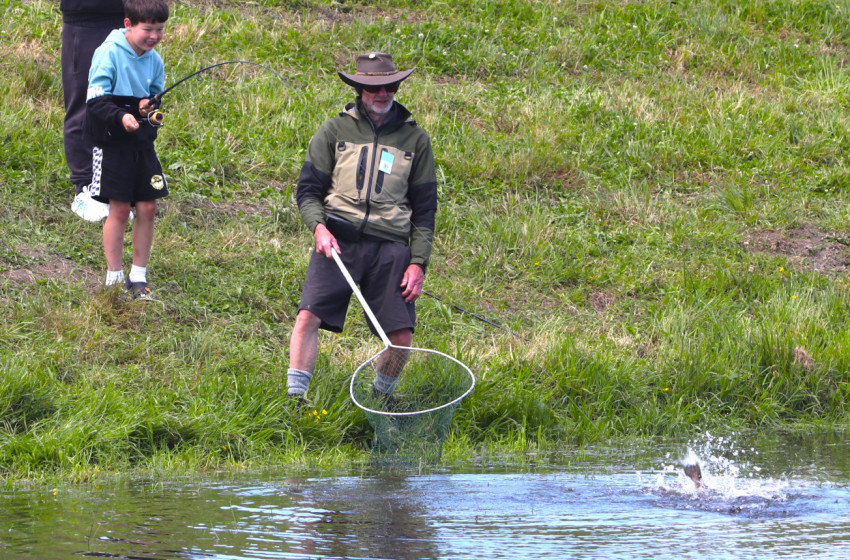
(304, 342)
(303, 349)
(113, 233)
(392, 361)
(143, 232)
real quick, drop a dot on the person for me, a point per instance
(125, 73)
(85, 25)
(367, 190)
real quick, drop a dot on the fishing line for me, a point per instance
(479, 317)
(157, 118)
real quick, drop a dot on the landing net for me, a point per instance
(411, 423)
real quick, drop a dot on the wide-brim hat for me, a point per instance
(375, 69)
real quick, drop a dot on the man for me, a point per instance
(85, 25)
(367, 190)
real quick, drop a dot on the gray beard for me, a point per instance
(378, 118)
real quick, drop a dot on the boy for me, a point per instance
(125, 72)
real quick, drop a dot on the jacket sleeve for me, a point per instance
(312, 187)
(105, 110)
(100, 104)
(422, 195)
(314, 181)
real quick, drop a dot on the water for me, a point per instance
(764, 499)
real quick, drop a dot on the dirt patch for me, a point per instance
(806, 247)
(601, 301)
(40, 265)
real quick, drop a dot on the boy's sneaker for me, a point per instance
(139, 290)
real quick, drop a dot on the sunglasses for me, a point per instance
(391, 88)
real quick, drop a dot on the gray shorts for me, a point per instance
(377, 267)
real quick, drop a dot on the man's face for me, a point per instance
(378, 101)
(143, 36)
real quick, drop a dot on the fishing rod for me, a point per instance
(157, 118)
(479, 317)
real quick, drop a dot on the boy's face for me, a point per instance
(143, 36)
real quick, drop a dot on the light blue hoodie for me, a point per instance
(117, 70)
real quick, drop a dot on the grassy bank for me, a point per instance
(654, 193)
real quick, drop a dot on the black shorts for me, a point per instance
(127, 175)
(377, 267)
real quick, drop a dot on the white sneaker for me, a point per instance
(90, 209)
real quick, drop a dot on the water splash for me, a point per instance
(731, 481)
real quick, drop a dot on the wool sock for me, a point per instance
(138, 274)
(114, 277)
(297, 381)
(384, 383)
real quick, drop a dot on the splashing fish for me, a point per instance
(693, 472)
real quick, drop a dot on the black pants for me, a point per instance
(79, 42)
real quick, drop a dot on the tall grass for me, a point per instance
(623, 183)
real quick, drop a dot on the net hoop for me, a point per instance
(414, 413)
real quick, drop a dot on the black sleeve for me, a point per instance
(312, 184)
(104, 127)
(105, 111)
(423, 202)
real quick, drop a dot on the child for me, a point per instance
(125, 72)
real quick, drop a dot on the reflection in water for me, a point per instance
(338, 518)
(625, 503)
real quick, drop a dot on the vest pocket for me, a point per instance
(379, 182)
(362, 169)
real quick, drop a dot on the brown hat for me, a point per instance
(374, 69)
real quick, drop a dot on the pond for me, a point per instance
(763, 497)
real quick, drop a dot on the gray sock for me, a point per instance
(384, 383)
(297, 381)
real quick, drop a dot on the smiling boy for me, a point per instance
(125, 72)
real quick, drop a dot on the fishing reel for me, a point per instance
(156, 119)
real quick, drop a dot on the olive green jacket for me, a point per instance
(381, 180)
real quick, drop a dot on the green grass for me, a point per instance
(655, 194)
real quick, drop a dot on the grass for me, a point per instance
(655, 194)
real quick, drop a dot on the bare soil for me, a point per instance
(45, 265)
(806, 248)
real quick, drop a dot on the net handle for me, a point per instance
(360, 298)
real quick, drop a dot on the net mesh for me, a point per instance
(411, 424)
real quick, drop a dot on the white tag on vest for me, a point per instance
(386, 164)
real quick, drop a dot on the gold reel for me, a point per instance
(157, 118)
